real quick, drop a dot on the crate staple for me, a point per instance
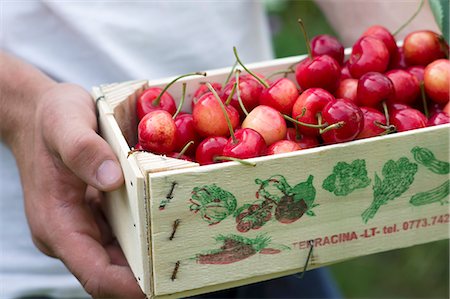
(311, 244)
(175, 271)
(174, 228)
(169, 197)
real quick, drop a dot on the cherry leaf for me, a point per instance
(440, 9)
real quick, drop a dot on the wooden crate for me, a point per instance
(180, 224)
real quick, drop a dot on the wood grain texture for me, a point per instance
(337, 218)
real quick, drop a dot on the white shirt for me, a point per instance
(97, 42)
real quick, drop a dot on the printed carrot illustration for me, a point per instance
(237, 248)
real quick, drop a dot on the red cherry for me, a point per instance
(321, 71)
(417, 71)
(406, 86)
(185, 133)
(146, 102)
(250, 91)
(208, 149)
(283, 146)
(407, 119)
(202, 89)
(345, 73)
(373, 88)
(385, 36)
(249, 144)
(447, 108)
(424, 46)
(437, 81)
(266, 121)
(209, 119)
(280, 95)
(372, 117)
(157, 132)
(302, 140)
(398, 61)
(369, 54)
(397, 106)
(324, 44)
(434, 107)
(177, 155)
(345, 112)
(309, 104)
(138, 146)
(347, 89)
(438, 118)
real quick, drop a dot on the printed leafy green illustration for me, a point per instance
(438, 194)
(398, 176)
(440, 9)
(214, 203)
(346, 178)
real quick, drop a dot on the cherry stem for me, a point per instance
(230, 74)
(424, 99)
(158, 99)
(337, 125)
(318, 126)
(185, 148)
(238, 93)
(183, 96)
(330, 127)
(298, 135)
(388, 129)
(285, 72)
(134, 150)
(260, 80)
(386, 112)
(305, 35)
(410, 19)
(222, 106)
(230, 96)
(224, 158)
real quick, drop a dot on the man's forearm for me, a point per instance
(20, 87)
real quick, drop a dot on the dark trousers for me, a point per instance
(314, 284)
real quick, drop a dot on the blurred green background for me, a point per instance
(417, 272)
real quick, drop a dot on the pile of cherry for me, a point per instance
(381, 89)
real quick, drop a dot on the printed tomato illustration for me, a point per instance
(290, 202)
(253, 216)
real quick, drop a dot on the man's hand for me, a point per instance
(59, 154)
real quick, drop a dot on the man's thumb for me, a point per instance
(78, 145)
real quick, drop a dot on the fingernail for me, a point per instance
(108, 173)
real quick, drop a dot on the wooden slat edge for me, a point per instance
(126, 207)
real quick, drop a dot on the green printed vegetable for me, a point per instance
(214, 203)
(438, 194)
(398, 176)
(346, 178)
(426, 157)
